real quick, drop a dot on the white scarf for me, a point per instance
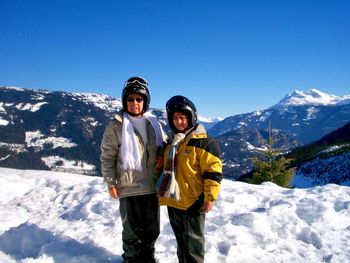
(129, 147)
(167, 184)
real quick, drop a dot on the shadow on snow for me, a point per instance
(30, 241)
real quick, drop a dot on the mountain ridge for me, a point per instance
(58, 130)
(311, 97)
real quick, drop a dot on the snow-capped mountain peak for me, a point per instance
(310, 97)
(209, 120)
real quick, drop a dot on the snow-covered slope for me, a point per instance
(58, 217)
(100, 100)
(321, 171)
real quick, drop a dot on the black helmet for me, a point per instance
(181, 104)
(136, 85)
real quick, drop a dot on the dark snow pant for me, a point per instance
(140, 218)
(188, 227)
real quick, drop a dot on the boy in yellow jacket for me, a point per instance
(190, 182)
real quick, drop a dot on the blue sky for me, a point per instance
(228, 57)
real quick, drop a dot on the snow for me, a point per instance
(61, 217)
(209, 120)
(30, 107)
(14, 88)
(99, 100)
(257, 113)
(92, 121)
(58, 163)
(311, 97)
(320, 171)
(5, 157)
(3, 122)
(265, 116)
(335, 148)
(311, 114)
(38, 140)
(251, 147)
(13, 147)
(346, 100)
(241, 123)
(2, 109)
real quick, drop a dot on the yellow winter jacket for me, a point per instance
(198, 169)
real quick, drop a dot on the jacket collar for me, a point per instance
(198, 132)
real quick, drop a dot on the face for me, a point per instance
(135, 104)
(180, 121)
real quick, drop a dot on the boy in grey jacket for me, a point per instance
(131, 160)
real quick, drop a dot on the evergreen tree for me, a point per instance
(272, 167)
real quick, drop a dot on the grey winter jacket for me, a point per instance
(129, 182)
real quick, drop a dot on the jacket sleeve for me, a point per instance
(109, 153)
(211, 169)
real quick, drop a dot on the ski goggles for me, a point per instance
(136, 81)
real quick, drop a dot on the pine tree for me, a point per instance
(272, 167)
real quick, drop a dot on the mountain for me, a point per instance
(58, 131)
(54, 130)
(62, 131)
(337, 140)
(307, 116)
(311, 97)
(324, 161)
(208, 122)
(298, 119)
(241, 145)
